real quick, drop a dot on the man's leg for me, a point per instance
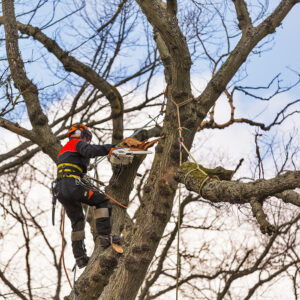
(76, 216)
(102, 218)
(69, 194)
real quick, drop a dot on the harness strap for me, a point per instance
(59, 176)
(64, 165)
(68, 170)
(90, 186)
(54, 199)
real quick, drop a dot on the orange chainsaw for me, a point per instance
(124, 154)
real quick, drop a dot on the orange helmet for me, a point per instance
(82, 130)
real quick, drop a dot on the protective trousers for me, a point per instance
(71, 195)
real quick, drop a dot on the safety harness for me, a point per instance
(64, 170)
(68, 170)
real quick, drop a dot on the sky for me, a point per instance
(230, 145)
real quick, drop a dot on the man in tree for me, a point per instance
(72, 163)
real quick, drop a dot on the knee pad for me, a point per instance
(77, 235)
(101, 213)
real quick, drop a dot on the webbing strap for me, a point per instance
(65, 170)
(68, 175)
(68, 170)
(63, 165)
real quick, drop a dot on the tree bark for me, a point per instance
(41, 133)
(235, 192)
(71, 64)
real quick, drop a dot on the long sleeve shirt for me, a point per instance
(78, 152)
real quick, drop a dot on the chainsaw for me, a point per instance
(124, 156)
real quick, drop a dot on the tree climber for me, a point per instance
(72, 163)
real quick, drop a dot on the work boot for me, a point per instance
(108, 239)
(82, 261)
(79, 252)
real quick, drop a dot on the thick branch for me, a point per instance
(261, 217)
(16, 128)
(71, 64)
(235, 192)
(289, 197)
(41, 133)
(158, 16)
(164, 54)
(242, 14)
(172, 8)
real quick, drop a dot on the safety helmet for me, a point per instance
(81, 130)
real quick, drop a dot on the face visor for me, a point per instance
(82, 131)
(87, 135)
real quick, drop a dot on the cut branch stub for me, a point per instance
(261, 217)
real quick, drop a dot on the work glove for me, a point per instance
(110, 151)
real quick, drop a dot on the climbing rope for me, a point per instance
(92, 187)
(63, 246)
(206, 178)
(114, 200)
(181, 143)
(63, 250)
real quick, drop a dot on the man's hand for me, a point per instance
(110, 152)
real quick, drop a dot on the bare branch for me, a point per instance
(235, 192)
(38, 119)
(242, 14)
(16, 128)
(237, 57)
(289, 197)
(12, 287)
(71, 64)
(19, 161)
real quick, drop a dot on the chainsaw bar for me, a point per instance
(127, 151)
(124, 156)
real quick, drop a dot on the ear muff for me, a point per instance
(81, 130)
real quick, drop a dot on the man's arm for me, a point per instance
(91, 151)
